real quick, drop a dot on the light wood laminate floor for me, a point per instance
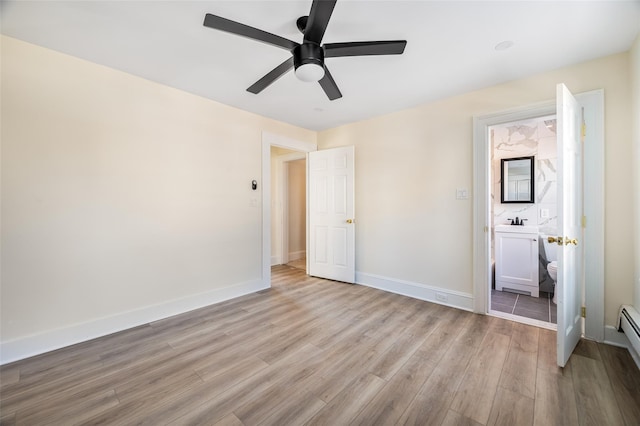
(310, 351)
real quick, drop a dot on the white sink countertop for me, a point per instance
(520, 229)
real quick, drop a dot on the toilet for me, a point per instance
(551, 253)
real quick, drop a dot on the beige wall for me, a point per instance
(635, 96)
(119, 193)
(409, 164)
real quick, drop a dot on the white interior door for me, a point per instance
(570, 271)
(331, 214)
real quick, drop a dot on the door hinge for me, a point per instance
(584, 221)
(486, 229)
(583, 312)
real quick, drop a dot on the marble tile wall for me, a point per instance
(524, 139)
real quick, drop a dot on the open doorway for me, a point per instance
(523, 214)
(288, 207)
(302, 148)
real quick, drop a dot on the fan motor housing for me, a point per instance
(308, 53)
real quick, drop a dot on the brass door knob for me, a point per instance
(350, 220)
(558, 240)
(566, 241)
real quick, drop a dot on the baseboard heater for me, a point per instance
(629, 322)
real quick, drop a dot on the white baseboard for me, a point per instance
(276, 260)
(295, 255)
(455, 299)
(616, 338)
(25, 347)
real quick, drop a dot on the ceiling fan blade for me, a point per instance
(329, 85)
(364, 48)
(271, 76)
(321, 11)
(233, 27)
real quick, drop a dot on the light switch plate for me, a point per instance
(462, 194)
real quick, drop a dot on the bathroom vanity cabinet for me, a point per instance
(516, 252)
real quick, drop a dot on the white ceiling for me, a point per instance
(450, 47)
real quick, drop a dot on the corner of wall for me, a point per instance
(635, 114)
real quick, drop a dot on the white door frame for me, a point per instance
(593, 203)
(269, 140)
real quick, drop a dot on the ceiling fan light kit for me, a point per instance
(307, 58)
(310, 72)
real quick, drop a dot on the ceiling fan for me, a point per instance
(307, 58)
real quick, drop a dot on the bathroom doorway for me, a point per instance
(523, 212)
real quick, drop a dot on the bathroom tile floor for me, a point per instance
(540, 308)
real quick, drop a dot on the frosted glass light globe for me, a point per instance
(310, 72)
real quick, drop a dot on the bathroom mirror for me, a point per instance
(516, 175)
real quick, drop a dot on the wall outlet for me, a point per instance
(441, 297)
(544, 213)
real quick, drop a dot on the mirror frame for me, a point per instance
(503, 194)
